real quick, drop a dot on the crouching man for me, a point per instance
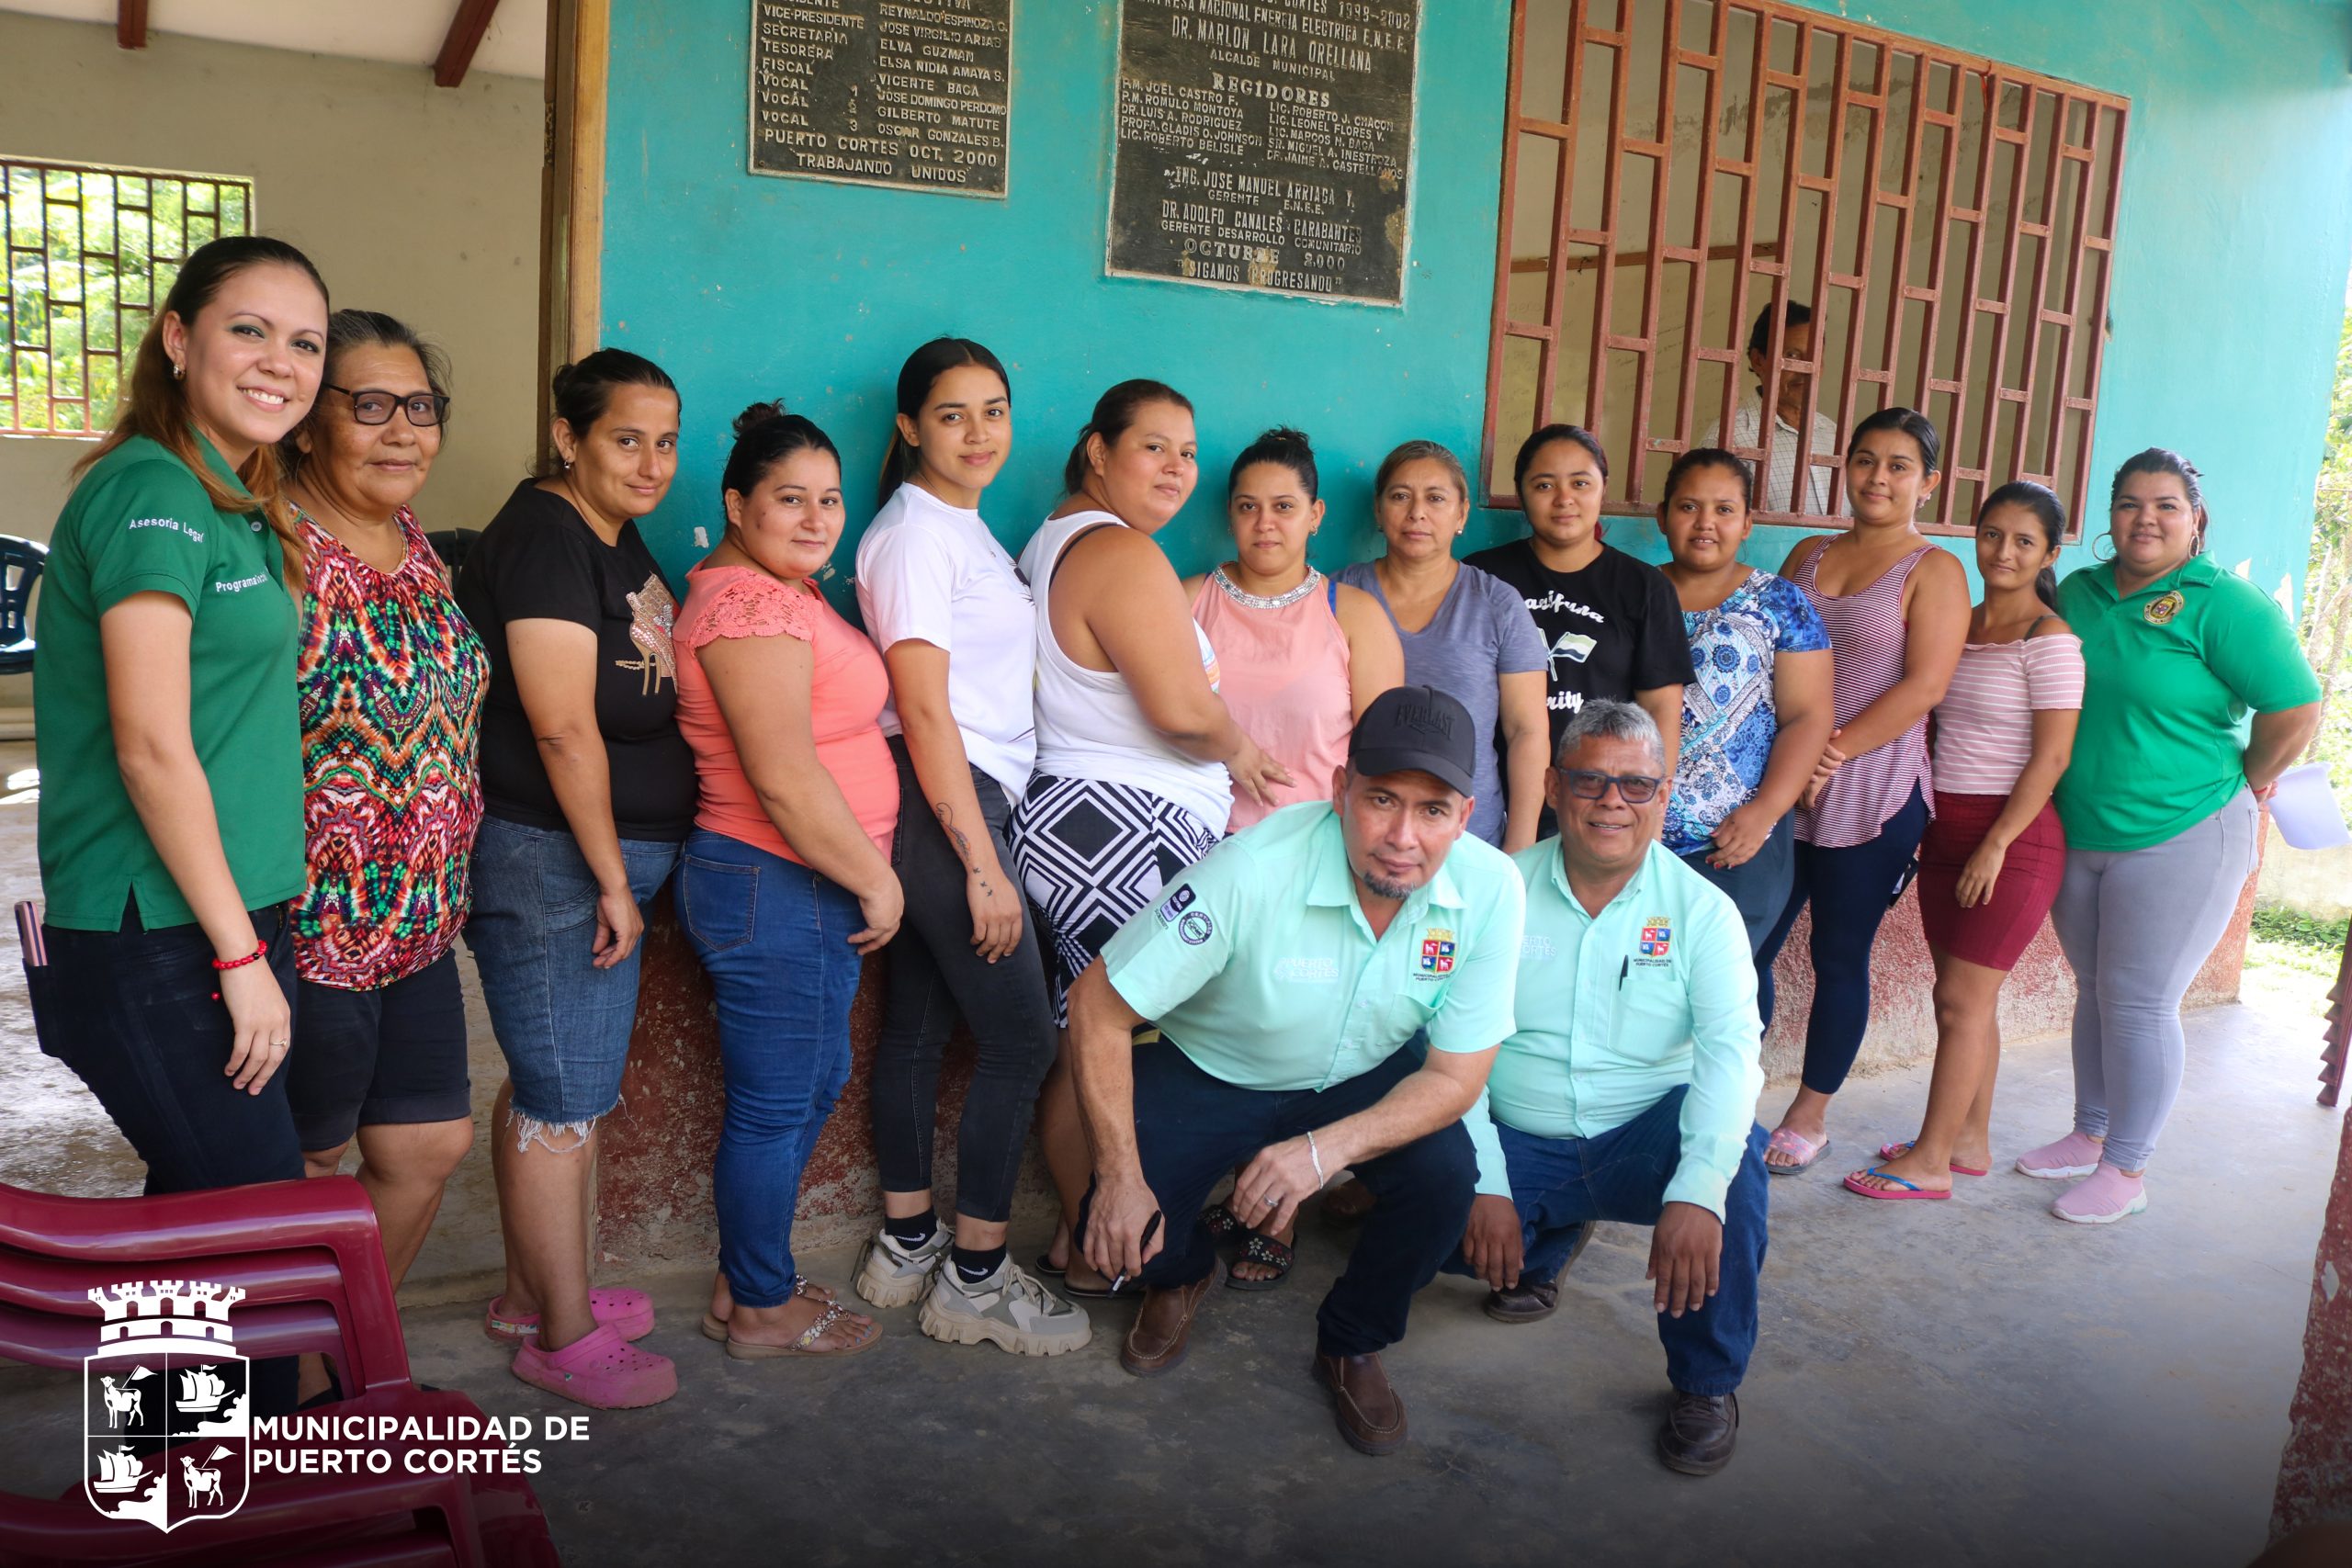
(1286, 972)
(1628, 1091)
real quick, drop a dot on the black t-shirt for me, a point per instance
(540, 560)
(1611, 630)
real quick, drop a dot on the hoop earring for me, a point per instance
(2107, 539)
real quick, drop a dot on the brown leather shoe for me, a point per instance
(1699, 1432)
(1369, 1413)
(1163, 1326)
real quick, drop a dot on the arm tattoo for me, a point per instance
(962, 845)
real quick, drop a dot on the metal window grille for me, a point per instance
(1677, 168)
(91, 252)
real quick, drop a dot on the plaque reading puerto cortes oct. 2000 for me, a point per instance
(1266, 144)
(915, 94)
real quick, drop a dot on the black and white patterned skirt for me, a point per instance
(1090, 855)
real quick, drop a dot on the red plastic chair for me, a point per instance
(307, 1254)
(281, 1241)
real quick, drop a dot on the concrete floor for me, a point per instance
(1966, 1382)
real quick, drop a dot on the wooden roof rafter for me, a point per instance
(466, 29)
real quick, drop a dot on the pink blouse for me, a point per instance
(1985, 725)
(1282, 667)
(846, 692)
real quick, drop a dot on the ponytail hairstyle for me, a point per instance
(1700, 457)
(347, 330)
(1417, 452)
(583, 391)
(156, 404)
(1114, 413)
(766, 435)
(917, 377)
(2163, 460)
(1283, 445)
(1911, 422)
(2043, 502)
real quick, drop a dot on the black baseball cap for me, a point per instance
(1410, 729)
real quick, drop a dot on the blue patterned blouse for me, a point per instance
(1728, 722)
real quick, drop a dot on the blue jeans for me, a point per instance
(1759, 886)
(1191, 1128)
(773, 936)
(562, 1023)
(1850, 889)
(1561, 1185)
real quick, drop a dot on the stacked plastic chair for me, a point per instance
(307, 1256)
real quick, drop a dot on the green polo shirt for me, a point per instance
(1259, 962)
(1619, 1009)
(2169, 675)
(141, 523)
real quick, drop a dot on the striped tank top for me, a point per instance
(1866, 632)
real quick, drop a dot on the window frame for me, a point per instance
(158, 273)
(1990, 258)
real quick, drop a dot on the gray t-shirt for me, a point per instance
(1481, 632)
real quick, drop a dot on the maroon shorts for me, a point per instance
(1994, 933)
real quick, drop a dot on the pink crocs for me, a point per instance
(2106, 1197)
(2069, 1158)
(628, 1313)
(600, 1370)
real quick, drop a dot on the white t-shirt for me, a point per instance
(934, 572)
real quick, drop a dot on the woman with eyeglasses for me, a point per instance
(391, 679)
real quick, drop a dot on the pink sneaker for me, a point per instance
(628, 1313)
(2069, 1158)
(2106, 1197)
(600, 1370)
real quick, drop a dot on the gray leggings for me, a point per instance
(2137, 925)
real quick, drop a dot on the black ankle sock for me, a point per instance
(974, 1264)
(912, 1231)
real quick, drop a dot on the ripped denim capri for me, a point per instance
(562, 1023)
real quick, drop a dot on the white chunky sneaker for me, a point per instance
(1009, 1308)
(891, 1275)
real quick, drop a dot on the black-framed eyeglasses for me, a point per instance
(1638, 789)
(373, 405)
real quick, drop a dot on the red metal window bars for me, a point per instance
(1677, 171)
(91, 252)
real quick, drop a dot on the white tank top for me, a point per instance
(1089, 724)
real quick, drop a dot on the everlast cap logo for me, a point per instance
(1425, 719)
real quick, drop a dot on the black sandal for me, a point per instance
(1275, 1255)
(1221, 1222)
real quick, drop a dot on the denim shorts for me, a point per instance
(392, 1056)
(562, 1023)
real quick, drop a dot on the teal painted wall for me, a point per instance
(2234, 239)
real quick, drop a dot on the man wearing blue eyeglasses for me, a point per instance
(1627, 1091)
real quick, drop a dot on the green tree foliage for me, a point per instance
(2327, 592)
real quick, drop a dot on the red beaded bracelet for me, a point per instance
(255, 956)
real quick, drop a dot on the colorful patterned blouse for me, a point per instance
(391, 679)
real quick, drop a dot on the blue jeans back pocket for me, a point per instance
(719, 902)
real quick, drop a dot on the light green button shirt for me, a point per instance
(1619, 1009)
(1259, 964)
